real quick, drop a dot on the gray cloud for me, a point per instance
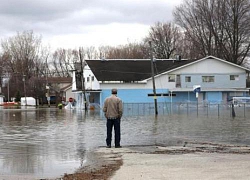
(54, 17)
(39, 9)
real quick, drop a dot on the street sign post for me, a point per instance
(197, 89)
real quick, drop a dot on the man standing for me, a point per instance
(113, 112)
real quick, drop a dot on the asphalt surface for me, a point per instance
(178, 163)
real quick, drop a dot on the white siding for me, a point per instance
(69, 94)
(160, 82)
(73, 81)
(91, 84)
(209, 66)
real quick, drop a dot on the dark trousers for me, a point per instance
(116, 124)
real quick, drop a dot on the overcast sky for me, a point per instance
(75, 23)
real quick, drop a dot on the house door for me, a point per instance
(94, 97)
(91, 98)
(178, 81)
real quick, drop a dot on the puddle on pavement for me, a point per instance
(48, 142)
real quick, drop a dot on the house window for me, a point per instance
(207, 78)
(93, 78)
(171, 78)
(188, 79)
(87, 79)
(234, 77)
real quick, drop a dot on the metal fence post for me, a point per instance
(197, 107)
(207, 109)
(244, 110)
(218, 110)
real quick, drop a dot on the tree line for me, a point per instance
(200, 28)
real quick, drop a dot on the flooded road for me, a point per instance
(48, 142)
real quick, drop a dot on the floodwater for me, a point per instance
(48, 142)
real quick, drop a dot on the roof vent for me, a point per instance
(178, 57)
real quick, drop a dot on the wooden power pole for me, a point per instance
(153, 77)
(82, 80)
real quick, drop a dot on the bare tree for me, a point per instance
(217, 27)
(91, 52)
(128, 51)
(22, 56)
(23, 51)
(165, 38)
(186, 47)
(62, 62)
(103, 51)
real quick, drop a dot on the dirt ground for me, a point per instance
(105, 172)
(99, 166)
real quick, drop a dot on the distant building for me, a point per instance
(28, 101)
(58, 87)
(175, 79)
(67, 93)
(54, 88)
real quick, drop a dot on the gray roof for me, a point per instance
(129, 70)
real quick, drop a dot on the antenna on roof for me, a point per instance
(178, 57)
(102, 57)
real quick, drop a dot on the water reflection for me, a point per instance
(40, 142)
(49, 142)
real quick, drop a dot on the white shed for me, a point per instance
(30, 101)
(1, 99)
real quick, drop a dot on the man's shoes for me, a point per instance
(118, 146)
(108, 146)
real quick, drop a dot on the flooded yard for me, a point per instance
(48, 142)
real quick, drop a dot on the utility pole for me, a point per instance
(8, 87)
(82, 80)
(48, 93)
(153, 77)
(24, 89)
(2, 76)
(47, 83)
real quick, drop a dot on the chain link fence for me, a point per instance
(188, 108)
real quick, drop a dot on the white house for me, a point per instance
(219, 80)
(67, 93)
